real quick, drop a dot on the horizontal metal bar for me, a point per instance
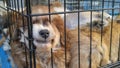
(3, 7)
(16, 11)
(102, 1)
(61, 12)
(70, 12)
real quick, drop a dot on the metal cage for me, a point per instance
(12, 7)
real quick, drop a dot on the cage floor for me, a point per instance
(4, 61)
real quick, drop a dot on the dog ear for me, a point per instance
(58, 22)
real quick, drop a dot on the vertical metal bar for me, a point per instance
(8, 18)
(65, 32)
(119, 50)
(22, 11)
(29, 20)
(108, 5)
(111, 29)
(23, 23)
(72, 4)
(49, 11)
(34, 55)
(102, 22)
(51, 58)
(119, 39)
(12, 12)
(18, 6)
(90, 66)
(26, 65)
(14, 4)
(15, 14)
(78, 34)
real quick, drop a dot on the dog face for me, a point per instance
(45, 34)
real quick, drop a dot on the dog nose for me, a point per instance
(44, 33)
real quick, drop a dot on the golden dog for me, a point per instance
(47, 34)
(100, 54)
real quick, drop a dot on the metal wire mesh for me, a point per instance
(74, 6)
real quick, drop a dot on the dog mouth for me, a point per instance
(42, 41)
(44, 44)
(45, 41)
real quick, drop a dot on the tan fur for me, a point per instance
(43, 56)
(19, 57)
(97, 50)
(100, 52)
(114, 39)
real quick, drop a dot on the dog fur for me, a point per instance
(97, 49)
(100, 50)
(115, 37)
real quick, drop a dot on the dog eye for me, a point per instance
(35, 21)
(45, 21)
(99, 16)
(118, 21)
(95, 23)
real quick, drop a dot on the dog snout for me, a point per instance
(44, 34)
